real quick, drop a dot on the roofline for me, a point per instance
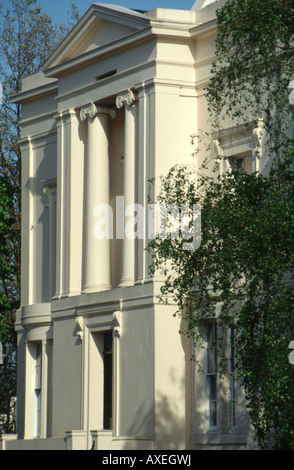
(29, 94)
(155, 29)
(114, 14)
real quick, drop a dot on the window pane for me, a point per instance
(245, 163)
(211, 364)
(212, 392)
(240, 163)
(248, 165)
(232, 352)
(232, 408)
(211, 361)
(38, 361)
(212, 413)
(211, 348)
(212, 387)
(38, 411)
(107, 353)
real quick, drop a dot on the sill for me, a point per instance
(214, 438)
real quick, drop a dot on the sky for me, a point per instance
(58, 8)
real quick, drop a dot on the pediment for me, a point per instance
(100, 26)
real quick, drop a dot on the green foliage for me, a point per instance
(7, 228)
(253, 66)
(242, 272)
(27, 37)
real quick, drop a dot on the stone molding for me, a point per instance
(117, 320)
(80, 325)
(91, 110)
(125, 98)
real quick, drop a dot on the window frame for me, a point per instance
(211, 376)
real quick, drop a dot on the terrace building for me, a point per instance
(101, 362)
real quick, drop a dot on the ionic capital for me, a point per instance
(125, 98)
(91, 110)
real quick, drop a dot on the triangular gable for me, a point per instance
(99, 26)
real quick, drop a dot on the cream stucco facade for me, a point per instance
(100, 361)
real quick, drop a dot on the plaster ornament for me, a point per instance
(117, 320)
(126, 98)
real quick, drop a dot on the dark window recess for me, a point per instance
(105, 75)
(107, 355)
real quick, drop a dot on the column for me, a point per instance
(97, 244)
(127, 100)
(69, 211)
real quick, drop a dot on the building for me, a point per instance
(101, 362)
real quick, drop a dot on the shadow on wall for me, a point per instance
(169, 427)
(166, 415)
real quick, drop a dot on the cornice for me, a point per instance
(203, 30)
(35, 315)
(34, 92)
(37, 119)
(154, 31)
(38, 139)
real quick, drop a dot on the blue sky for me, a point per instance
(58, 8)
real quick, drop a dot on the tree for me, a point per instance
(243, 269)
(8, 302)
(27, 37)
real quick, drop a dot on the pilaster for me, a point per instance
(70, 179)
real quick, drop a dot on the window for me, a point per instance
(49, 350)
(100, 396)
(211, 377)
(107, 372)
(219, 401)
(38, 388)
(245, 163)
(232, 380)
(38, 392)
(242, 144)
